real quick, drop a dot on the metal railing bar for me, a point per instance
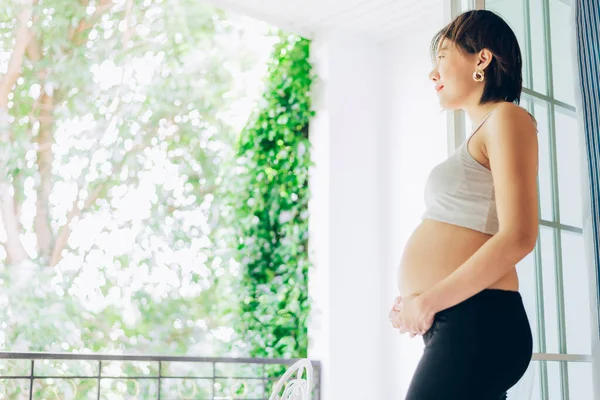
(31, 378)
(156, 377)
(165, 358)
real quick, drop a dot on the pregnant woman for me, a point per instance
(457, 277)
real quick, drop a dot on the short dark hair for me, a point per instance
(476, 30)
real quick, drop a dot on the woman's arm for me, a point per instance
(512, 149)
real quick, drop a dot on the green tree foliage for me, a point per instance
(118, 122)
(270, 214)
(115, 126)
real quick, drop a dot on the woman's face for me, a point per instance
(452, 75)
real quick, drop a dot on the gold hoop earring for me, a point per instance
(478, 76)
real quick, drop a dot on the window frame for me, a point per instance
(457, 128)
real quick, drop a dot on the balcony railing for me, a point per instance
(110, 377)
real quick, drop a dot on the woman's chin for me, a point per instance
(444, 105)
(448, 105)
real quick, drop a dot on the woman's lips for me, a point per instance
(438, 88)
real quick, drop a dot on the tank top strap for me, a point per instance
(482, 122)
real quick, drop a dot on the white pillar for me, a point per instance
(418, 140)
(347, 228)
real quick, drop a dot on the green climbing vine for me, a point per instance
(270, 211)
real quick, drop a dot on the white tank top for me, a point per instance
(460, 191)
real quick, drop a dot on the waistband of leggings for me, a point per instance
(489, 297)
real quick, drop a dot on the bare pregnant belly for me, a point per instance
(435, 250)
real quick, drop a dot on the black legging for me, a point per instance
(476, 350)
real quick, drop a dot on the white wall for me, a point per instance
(417, 141)
(378, 132)
(345, 231)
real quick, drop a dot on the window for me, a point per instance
(553, 278)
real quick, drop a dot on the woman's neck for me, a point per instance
(477, 113)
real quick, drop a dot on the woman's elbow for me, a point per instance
(521, 241)
(527, 241)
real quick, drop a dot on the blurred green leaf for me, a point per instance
(268, 223)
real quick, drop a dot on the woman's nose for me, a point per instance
(433, 75)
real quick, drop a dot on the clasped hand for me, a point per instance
(410, 315)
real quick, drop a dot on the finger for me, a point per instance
(424, 327)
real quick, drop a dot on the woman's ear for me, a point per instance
(484, 59)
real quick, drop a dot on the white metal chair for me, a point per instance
(294, 386)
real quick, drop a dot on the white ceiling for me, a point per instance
(378, 19)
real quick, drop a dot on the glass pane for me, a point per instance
(538, 47)
(174, 388)
(66, 367)
(84, 389)
(569, 171)
(529, 386)
(577, 299)
(129, 368)
(239, 389)
(14, 388)
(512, 12)
(111, 389)
(536, 393)
(580, 381)
(15, 368)
(549, 288)
(239, 370)
(187, 369)
(562, 51)
(554, 385)
(540, 112)
(526, 272)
